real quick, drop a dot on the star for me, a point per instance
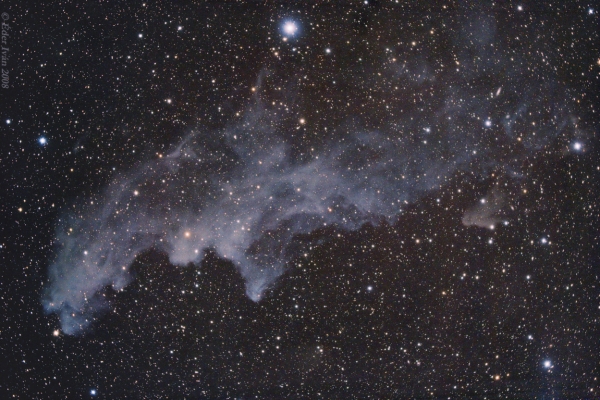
(43, 141)
(577, 146)
(290, 28)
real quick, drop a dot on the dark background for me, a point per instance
(447, 319)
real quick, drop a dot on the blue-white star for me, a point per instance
(290, 28)
(577, 146)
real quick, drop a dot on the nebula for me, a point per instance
(485, 213)
(245, 193)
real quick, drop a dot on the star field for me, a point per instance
(362, 199)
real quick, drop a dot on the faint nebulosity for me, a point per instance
(241, 188)
(378, 199)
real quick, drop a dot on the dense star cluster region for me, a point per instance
(362, 199)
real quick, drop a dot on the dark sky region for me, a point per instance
(286, 199)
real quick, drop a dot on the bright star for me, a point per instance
(93, 392)
(290, 28)
(577, 146)
(42, 140)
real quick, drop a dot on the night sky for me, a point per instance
(281, 199)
